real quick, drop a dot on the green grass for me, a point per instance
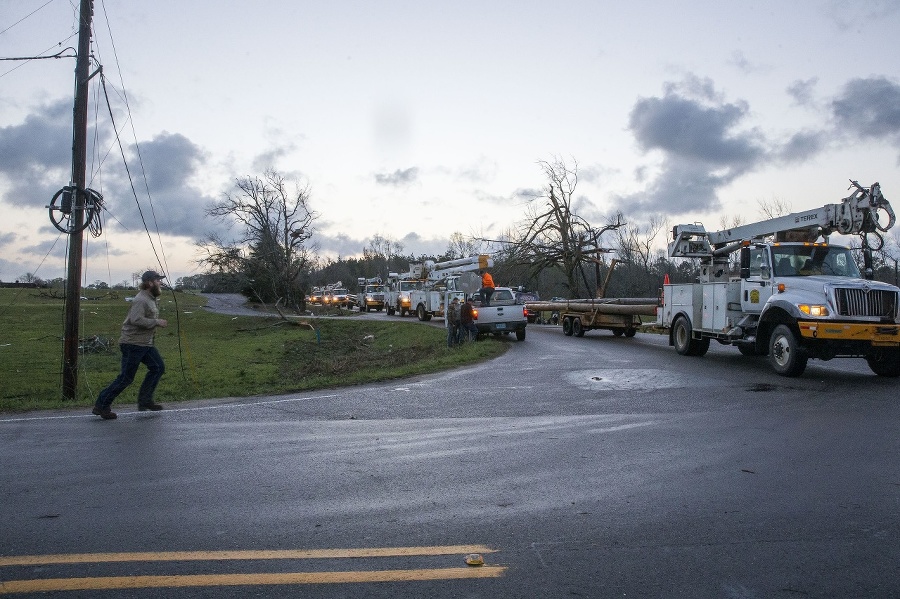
(210, 355)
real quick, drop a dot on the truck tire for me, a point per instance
(685, 344)
(420, 312)
(885, 363)
(577, 329)
(567, 326)
(681, 335)
(520, 335)
(788, 358)
(630, 332)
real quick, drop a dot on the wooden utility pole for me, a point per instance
(79, 165)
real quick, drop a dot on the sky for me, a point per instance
(416, 120)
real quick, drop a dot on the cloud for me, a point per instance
(802, 91)
(803, 145)
(869, 108)
(36, 156)
(398, 178)
(175, 205)
(739, 59)
(7, 239)
(702, 142)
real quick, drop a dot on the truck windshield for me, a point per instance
(410, 285)
(375, 289)
(808, 260)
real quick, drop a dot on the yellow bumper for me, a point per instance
(877, 334)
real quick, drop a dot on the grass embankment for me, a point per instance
(211, 355)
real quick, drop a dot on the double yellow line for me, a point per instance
(285, 578)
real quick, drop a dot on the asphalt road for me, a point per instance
(594, 467)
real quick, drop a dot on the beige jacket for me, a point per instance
(142, 320)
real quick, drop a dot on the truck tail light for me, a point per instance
(474, 314)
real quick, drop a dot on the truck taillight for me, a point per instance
(474, 314)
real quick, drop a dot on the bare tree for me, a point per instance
(774, 207)
(271, 251)
(552, 235)
(380, 254)
(461, 246)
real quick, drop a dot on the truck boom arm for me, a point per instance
(855, 214)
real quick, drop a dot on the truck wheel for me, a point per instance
(577, 329)
(681, 335)
(420, 312)
(785, 353)
(885, 363)
(520, 335)
(567, 326)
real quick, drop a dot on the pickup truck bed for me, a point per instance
(503, 316)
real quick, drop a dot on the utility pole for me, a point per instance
(79, 165)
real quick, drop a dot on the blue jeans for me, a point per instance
(132, 357)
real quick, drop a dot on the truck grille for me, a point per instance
(860, 302)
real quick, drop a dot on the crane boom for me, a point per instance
(855, 214)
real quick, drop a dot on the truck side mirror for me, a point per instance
(745, 262)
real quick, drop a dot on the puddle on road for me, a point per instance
(621, 379)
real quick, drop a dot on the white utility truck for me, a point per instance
(796, 297)
(441, 283)
(371, 294)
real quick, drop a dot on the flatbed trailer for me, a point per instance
(621, 316)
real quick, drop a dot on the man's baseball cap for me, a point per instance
(151, 275)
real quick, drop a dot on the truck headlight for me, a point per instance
(813, 310)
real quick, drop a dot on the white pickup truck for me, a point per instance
(503, 316)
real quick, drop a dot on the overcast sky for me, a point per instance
(414, 120)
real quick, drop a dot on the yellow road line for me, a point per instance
(179, 556)
(200, 580)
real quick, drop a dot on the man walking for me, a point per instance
(136, 345)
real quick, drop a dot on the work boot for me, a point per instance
(153, 407)
(104, 413)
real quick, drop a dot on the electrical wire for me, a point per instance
(26, 16)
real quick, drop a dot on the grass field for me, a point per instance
(210, 355)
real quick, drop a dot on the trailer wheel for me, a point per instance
(567, 326)
(577, 329)
(630, 332)
(885, 363)
(785, 353)
(520, 335)
(617, 332)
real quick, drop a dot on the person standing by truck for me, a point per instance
(467, 321)
(453, 323)
(487, 287)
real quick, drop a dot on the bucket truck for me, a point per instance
(796, 297)
(441, 283)
(371, 294)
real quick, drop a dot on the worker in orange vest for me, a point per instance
(487, 287)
